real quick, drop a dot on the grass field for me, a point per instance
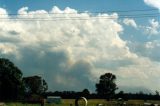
(91, 102)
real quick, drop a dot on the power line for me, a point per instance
(96, 16)
(123, 15)
(63, 17)
(82, 17)
(99, 12)
(126, 11)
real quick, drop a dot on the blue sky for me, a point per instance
(79, 50)
(81, 5)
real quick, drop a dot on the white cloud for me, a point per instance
(143, 72)
(153, 3)
(152, 45)
(4, 13)
(130, 22)
(152, 49)
(63, 48)
(154, 27)
(7, 48)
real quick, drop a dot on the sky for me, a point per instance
(70, 43)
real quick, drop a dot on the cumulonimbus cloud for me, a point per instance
(66, 46)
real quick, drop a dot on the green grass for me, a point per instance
(20, 104)
(91, 102)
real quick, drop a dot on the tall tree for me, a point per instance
(10, 80)
(106, 86)
(85, 93)
(35, 85)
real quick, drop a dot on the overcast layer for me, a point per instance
(71, 53)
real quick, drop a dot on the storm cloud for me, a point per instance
(71, 53)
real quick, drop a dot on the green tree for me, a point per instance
(106, 86)
(85, 93)
(35, 85)
(120, 94)
(10, 80)
(157, 93)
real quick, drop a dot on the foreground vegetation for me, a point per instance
(15, 87)
(91, 102)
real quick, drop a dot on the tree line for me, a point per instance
(13, 86)
(125, 96)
